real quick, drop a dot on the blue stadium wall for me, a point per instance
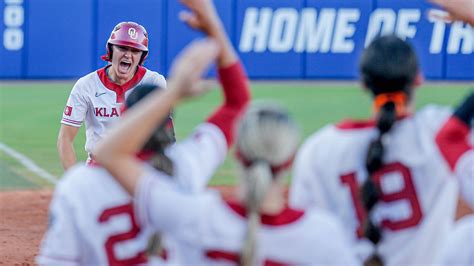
(276, 39)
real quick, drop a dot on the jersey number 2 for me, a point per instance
(406, 193)
(123, 236)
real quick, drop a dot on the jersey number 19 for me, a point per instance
(405, 192)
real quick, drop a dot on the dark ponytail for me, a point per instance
(369, 191)
(162, 137)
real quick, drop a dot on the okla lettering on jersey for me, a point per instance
(106, 112)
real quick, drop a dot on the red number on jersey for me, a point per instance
(407, 193)
(106, 215)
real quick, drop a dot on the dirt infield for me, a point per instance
(23, 220)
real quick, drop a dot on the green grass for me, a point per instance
(14, 176)
(30, 115)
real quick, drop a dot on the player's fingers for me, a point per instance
(185, 2)
(201, 87)
(190, 19)
(200, 50)
(438, 2)
(192, 4)
(202, 53)
(192, 62)
(440, 15)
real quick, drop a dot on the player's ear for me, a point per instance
(419, 80)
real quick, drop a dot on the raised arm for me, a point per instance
(117, 151)
(453, 138)
(453, 143)
(233, 79)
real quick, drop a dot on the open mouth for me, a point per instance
(125, 66)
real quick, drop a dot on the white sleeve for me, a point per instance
(465, 172)
(60, 245)
(76, 107)
(161, 204)
(158, 79)
(305, 190)
(458, 250)
(197, 158)
(433, 117)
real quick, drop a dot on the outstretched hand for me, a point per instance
(189, 66)
(203, 16)
(462, 10)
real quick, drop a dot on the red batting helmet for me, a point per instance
(129, 34)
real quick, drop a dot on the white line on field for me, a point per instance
(29, 164)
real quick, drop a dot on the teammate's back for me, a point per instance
(209, 230)
(387, 179)
(101, 228)
(418, 192)
(292, 237)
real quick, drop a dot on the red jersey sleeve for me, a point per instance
(452, 140)
(236, 90)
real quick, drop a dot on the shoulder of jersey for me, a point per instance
(155, 78)
(323, 135)
(88, 77)
(432, 117)
(433, 111)
(352, 124)
(78, 175)
(86, 80)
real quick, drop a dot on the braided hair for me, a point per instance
(267, 139)
(369, 191)
(388, 69)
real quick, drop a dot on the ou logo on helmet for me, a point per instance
(132, 32)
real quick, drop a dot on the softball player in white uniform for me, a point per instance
(386, 178)
(97, 97)
(93, 102)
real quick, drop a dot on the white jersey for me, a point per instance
(210, 231)
(97, 101)
(418, 190)
(91, 215)
(459, 249)
(465, 172)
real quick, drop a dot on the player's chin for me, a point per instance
(122, 73)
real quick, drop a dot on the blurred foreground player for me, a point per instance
(385, 177)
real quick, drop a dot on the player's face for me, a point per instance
(125, 61)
